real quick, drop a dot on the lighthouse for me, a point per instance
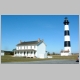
(67, 43)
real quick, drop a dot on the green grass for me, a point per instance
(72, 57)
(9, 58)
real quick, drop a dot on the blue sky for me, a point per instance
(31, 27)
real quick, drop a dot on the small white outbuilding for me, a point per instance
(2, 53)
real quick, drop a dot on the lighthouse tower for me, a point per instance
(67, 44)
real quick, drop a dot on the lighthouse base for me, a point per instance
(65, 54)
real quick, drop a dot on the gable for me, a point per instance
(41, 43)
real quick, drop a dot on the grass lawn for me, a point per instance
(72, 57)
(9, 58)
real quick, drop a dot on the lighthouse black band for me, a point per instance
(66, 32)
(66, 22)
(67, 44)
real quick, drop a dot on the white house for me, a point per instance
(2, 53)
(65, 53)
(31, 49)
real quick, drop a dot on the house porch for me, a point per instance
(25, 53)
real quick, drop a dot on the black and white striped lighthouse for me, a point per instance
(67, 43)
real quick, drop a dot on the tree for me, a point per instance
(48, 53)
(13, 49)
(53, 53)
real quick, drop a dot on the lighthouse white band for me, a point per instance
(66, 27)
(67, 48)
(66, 38)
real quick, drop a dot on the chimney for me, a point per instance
(39, 40)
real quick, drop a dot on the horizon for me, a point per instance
(50, 28)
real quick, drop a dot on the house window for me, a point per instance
(25, 47)
(20, 47)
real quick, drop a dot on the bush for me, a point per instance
(9, 53)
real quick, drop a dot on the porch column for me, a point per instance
(26, 53)
(30, 54)
(14, 53)
(19, 53)
(22, 53)
(33, 53)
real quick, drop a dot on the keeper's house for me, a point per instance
(31, 49)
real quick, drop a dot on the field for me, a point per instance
(9, 58)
